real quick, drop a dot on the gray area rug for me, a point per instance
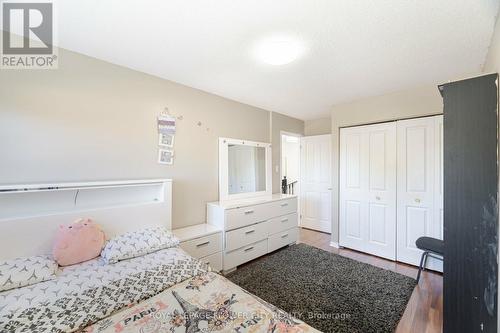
(327, 291)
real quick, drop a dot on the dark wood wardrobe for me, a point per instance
(470, 280)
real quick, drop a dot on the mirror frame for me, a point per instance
(224, 169)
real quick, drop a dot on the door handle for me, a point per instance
(284, 235)
(202, 244)
(249, 249)
(284, 204)
(284, 220)
(248, 212)
(249, 231)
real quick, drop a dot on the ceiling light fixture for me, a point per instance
(278, 51)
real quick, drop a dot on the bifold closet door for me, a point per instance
(419, 196)
(368, 189)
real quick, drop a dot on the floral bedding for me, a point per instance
(207, 302)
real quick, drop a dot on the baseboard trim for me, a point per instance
(335, 245)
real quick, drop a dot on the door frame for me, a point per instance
(297, 135)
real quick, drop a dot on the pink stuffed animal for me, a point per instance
(81, 241)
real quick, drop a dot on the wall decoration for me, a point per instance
(165, 156)
(166, 124)
(166, 140)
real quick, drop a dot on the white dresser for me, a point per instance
(253, 227)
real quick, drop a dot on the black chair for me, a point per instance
(432, 247)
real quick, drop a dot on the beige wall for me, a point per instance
(91, 120)
(318, 126)
(404, 104)
(280, 123)
(492, 63)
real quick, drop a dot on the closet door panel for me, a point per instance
(416, 150)
(368, 189)
(381, 194)
(353, 215)
(353, 188)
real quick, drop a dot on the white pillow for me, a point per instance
(26, 271)
(137, 243)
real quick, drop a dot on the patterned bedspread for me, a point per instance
(86, 293)
(207, 302)
(164, 292)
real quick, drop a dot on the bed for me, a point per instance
(163, 291)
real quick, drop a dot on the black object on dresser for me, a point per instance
(470, 204)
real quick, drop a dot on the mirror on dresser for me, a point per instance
(244, 169)
(253, 221)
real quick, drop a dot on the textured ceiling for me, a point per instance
(354, 49)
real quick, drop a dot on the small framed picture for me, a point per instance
(166, 140)
(165, 156)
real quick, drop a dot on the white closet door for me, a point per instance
(353, 188)
(416, 177)
(381, 199)
(368, 189)
(315, 183)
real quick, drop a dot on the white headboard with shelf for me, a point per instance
(31, 213)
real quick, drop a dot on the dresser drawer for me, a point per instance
(214, 261)
(240, 217)
(203, 246)
(246, 235)
(283, 207)
(244, 254)
(281, 239)
(282, 223)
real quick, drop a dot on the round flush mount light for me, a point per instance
(279, 50)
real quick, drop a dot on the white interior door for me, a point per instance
(246, 169)
(315, 183)
(368, 189)
(419, 188)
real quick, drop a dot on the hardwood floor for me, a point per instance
(424, 313)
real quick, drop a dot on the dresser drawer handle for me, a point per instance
(202, 244)
(249, 231)
(284, 235)
(248, 212)
(249, 249)
(284, 220)
(284, 204)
